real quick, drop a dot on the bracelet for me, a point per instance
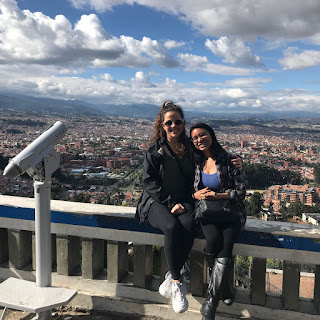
(193, 197)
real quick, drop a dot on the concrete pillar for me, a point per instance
(53, 250)
(20, 248)
(316, 295)
(92, 257)
(258, 287)
(290, 285)
(197, 270)
(68, 254)
(4, 247)
(105, 254)
(117, 261)
(142, 265)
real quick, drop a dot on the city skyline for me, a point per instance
(237, 56)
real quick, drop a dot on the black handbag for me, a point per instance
(214, 211)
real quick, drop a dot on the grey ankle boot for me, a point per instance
(217, 281)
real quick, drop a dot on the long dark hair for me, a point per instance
(159, 132)
(215, 148)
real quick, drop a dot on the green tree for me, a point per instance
(284, 211)
(260, 176)
(312, 209)
(3, 162)
(55, 192)
(253, 204)
(295, 209)
(82, 198)
(317, 175)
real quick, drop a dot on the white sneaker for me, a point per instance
(165, 287)
(179, 300)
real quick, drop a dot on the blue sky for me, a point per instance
(229, 56)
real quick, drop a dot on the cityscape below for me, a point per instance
(101, 160)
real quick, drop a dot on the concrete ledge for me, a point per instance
(122, 298)
(86, 209)
(301, 256)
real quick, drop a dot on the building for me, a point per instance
(291, 193)
(313, 218)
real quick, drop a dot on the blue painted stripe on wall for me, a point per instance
(98, 221)
(121, 223)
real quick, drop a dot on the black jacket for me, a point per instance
(153, 182)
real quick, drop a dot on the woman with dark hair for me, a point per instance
(217, 178)
(166, 202)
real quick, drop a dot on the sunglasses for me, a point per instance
(177, 123)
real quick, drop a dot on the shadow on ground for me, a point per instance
(76, 314)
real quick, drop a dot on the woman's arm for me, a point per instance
(152, 181)
(237, 162)
(237, 187)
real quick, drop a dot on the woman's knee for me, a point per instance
(171, 226)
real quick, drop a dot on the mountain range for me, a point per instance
(32, 105)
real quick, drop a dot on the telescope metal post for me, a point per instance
(42, 194)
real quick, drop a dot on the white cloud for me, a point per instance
(171, 44)
(139, 89)
(99, 5)
(293, 60)
(233, 51)
(272, 19)
(197, 63)
(233, 93)
(34, 47)
(257, 103)
(141, 80)
(34, 38)
(158, 53)
(245, 82)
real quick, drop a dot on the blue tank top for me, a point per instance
(211, 181)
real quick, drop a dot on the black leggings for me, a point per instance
(179, 232)
(220, 238)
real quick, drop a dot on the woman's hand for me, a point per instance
(201, 194)
(210, 195)
(206, 194)
(178, 209)
(237, 162)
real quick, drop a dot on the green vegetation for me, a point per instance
(317, 175)
(253, 204)
(14, 131)
(27, 122)
(296, 209)
(260, 176)
(3, 162)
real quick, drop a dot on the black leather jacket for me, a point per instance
(153, 182)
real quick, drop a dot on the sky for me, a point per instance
(208, 55)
